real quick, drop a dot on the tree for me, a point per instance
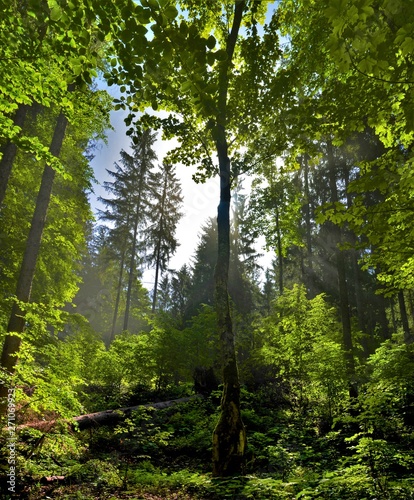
(34, 255)
(16, 323)
(275, 214)
(139, 165)
(38, 38)
(181, 281)
(129, 211)
(165, 214)
(44, 46)
(9, 151)
(119, 213)
(300, 343)
(177, 77)
(356, 75)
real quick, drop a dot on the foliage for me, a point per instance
(334, 101)
(300, 342)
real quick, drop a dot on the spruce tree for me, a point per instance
(129, 212)
(165, 213)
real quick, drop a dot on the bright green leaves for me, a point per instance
(55, 10)
(181, 61)
(300, 340)
(378, 38)
(407, 46)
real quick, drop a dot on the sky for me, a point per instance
(200, 200)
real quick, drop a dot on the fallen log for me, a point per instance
(106, 417)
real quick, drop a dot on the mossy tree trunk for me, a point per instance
(229, 437)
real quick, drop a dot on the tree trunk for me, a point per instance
(106, 417)
(279, 252)
(9, 151)
(342, 283)
(16, 324)
(408, 337)
(133, 250)
(157, 269)
(132, 265)
(119, 287)
(118, 298)
(346, 322)
(383, 303)
(229, 436)
(309, 273)
(158, 250)
(359, 296)
(393, 318)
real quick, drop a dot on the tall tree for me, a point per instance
(275, 214)
(139, 165)
(129, 210)
(62, 197)
(165, 214)
(9, 151)
(118, 213)
(16, 323)
(203, 69)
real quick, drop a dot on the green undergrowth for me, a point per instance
(157, 454)
(100, 480)
(298, 448)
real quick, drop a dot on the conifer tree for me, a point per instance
(129, 211)
(165, 214)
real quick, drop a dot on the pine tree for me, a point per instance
(129, 212)
(242, 269)
(165, 214)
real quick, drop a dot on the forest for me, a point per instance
(226, 377)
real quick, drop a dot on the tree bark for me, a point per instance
(16, 323)
(342, 283)
(157, 270)
(408, 337)
(158, 250)
(279, 251)
(131, 269)
(229, 436)
(9, 151)
(309, 272)
(119, 287)
(133, 251)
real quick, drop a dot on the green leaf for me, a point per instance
(171, 12)
(220, 55)
(211, 42)
(143, 15)
(186, 86)
(55, 11)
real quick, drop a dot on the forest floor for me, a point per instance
(76, 492)
(166, 454)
